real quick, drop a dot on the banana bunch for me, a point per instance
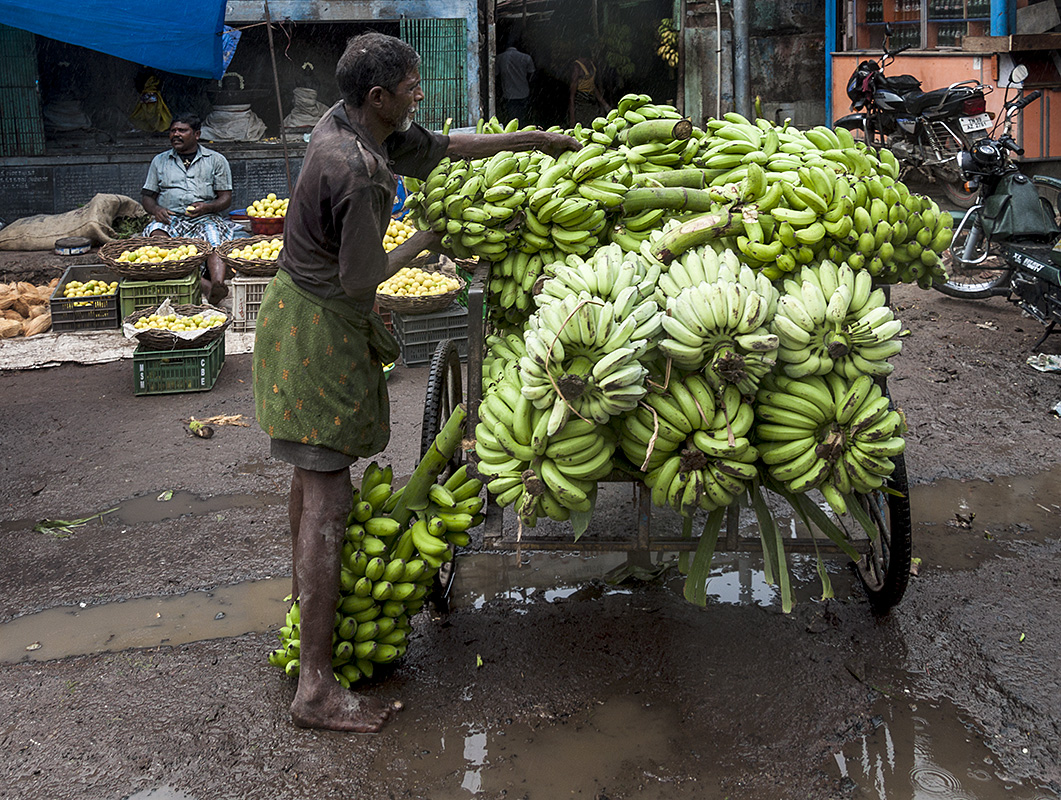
(833, 319)
(693, 444)
(512, 281)
(499, 353)
(787, 198)
(562, 476)
(828, 433)
(667, 36)
(527, 467)
(720, 325)
(474, 204)
(605, 274)
(582, 358)
(386, 572)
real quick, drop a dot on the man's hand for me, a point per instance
(162, 215)
(194, 210)
(556, 143)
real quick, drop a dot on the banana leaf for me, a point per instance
(773, 548)
(700, 569)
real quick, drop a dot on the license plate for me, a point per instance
(981, 122)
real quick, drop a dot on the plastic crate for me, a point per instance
(247, 294)
(174, 371)
(137, 295)
(81, 313)
(419, 334)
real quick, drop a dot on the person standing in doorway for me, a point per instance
(514, 72)
(585, 100)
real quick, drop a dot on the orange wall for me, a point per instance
(936, 70)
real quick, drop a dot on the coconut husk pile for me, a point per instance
(25, 309)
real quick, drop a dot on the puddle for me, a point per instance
(146, 622)
(962, 524)
(922, 751)
(160, 507)
(620, 741)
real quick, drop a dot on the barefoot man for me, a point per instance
(319, 349)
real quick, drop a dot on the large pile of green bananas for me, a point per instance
(704, 310)
(388, 568)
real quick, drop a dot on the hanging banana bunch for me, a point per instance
(828, 433)
(667, 36)
(834, 320)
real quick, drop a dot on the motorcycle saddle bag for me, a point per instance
(1015, 211)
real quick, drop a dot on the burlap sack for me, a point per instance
(92, 221)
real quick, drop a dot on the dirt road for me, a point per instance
(735, 700)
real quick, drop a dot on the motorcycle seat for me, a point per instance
(900, 84)
(916, 103)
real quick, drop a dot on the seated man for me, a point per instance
(186, 191)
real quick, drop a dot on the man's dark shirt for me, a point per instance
(338, 215)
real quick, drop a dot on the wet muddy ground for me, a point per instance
(542, 681)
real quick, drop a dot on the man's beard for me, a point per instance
(406, 122)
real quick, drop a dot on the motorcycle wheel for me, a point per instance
(960, 195)
(978, 281)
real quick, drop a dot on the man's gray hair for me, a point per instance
(373, 59)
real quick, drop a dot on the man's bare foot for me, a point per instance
(339, 709)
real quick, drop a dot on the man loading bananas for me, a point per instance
(319, 388)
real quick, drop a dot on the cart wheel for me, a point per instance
(444, 394)
(885, 569)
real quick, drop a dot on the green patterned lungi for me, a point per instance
(318, 371)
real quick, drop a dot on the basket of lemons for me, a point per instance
(172, 326)
(422, 287)
(412, 290)
(154, 258)
(252, 257)
(267, 215)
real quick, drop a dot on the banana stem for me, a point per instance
(697, 231)
(658, 130)
(689, 178)
(677, 198)
(414, 496)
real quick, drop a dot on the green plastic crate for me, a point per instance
(175, 371)
(135, 296)
(84, 313)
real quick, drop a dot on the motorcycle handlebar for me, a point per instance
(896, 52)
(1021, 102)
(1010, 144)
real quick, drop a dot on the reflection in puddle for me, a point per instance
(922, 751)
(620, 739)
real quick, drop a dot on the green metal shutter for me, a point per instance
(443, 48)
(21, 124)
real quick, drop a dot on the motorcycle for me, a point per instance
(925, 130)
(1009, 243)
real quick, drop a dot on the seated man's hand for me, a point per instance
(162, 215)
(194, 209)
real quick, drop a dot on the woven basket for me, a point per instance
(248, 267)
(165, 270)
(409, 306)
(155, 339)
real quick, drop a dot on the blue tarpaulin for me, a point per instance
(184, 37)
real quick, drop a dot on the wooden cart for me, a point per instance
(884, 565)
